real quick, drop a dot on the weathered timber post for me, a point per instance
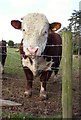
(67, 74)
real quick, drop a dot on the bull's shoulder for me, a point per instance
(54, 38)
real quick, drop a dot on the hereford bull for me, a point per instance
(40, 49)
(3, 54)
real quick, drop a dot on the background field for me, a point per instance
(13, 65)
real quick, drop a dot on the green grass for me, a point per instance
(30, 117)
(13, 63)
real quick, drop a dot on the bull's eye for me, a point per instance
(23, 29)
(44, 33)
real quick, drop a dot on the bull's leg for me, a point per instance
(29, 77)
(4, 59)
(3, 62)
(1, 68)
(43, 79)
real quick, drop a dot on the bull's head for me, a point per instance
(35, 28)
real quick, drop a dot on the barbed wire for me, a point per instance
(19, 59)
(46, 46)
(5, 77)
(20, 67)
(35, 80)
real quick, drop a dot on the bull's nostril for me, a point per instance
(36, 50)
(32, 50)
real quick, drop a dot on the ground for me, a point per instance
(13, 89)
(13, 86)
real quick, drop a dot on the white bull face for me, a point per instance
(35, 32)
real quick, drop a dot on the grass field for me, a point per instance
(13, 63)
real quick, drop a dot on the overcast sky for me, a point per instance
(55, 10)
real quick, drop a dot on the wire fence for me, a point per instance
(11, 56)
(13, 63)
(14, 55)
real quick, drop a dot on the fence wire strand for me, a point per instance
(18, 59)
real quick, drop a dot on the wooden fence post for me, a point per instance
(67, 74)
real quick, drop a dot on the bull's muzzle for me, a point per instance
(32, 50)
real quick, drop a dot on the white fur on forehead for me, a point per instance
(35, 20)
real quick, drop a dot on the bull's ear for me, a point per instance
(55, 26)
(16, 24)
